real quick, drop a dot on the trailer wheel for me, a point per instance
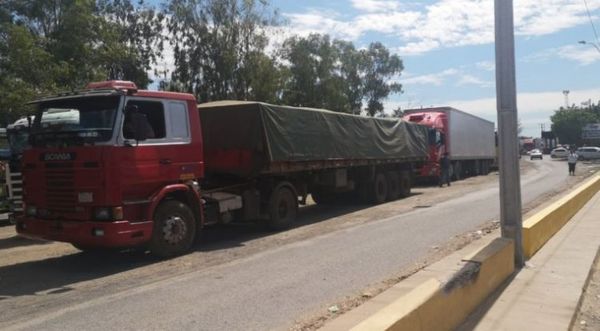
(393, 181)
(486, 168)
(379, 189)
(174, 229)
(405, 184)
(456, 171)
(283, 208)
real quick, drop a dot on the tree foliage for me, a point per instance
(51, 45)
(335, 75)
(219, 48)
(567, 123)
(222, 49)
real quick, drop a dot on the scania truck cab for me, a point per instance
(129, 157)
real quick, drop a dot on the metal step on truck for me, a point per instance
(151, 169)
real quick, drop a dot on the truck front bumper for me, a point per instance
(87, 233)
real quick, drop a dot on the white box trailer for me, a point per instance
(469, 137)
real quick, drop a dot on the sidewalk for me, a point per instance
(545, 294)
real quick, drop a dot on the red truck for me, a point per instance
(150, 169)
(469, 141)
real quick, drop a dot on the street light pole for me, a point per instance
(506, 103)
(583, 42)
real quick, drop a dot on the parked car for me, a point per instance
(588, 153)
(536, 154)
(559, 152)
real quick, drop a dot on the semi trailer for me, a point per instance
(151, 169)
(469, 141)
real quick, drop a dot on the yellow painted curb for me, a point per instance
(442, 305)
(539, 228)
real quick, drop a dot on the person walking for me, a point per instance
(572, 160)
(444, 170)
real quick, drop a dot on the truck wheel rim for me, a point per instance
(174, 230)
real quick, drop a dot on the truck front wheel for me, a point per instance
(283, 208)
(174, 229)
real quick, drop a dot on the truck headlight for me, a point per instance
(102, 214)
(31, 210)
(108, 213)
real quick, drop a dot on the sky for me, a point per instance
(447, 47)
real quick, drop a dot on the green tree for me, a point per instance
(335, 75)
(218, 47)
(51, 45)
(314, 73)
(568, 123)
(132, 39)
(380, 69)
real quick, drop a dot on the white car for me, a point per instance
(536, 154)
(588, 153)
(559, 152)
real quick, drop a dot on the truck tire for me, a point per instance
(405, 184)
(283, 208)
(393, 180)
(378, 190)
(174, 229)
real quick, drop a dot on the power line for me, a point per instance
(591, 21)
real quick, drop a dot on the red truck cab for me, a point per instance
(100, 177)
(437, 122)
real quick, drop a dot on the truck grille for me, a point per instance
(60, 190)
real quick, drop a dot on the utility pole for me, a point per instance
(506, 103)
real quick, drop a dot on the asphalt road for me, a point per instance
(272, 289)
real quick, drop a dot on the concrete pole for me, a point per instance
(506, 102)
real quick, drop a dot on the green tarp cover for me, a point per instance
(283, 133)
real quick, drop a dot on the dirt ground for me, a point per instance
(588, 314)
(65, 269)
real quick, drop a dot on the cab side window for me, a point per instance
(155, 119)
(178, 121)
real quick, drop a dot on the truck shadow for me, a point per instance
(16, 241)
(56, 274)
(236, 234)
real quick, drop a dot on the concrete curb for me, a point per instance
(539, 228)
(443, 305)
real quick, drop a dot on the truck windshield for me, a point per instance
(18, 140)
(74, 121)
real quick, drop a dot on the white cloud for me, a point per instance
(534, 108)
(375, 5)
(582, 54)
(452, 74)
(429, 79)
(445, 23)
(486, 65)
(467, 79)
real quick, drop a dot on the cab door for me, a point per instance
(145, 164)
